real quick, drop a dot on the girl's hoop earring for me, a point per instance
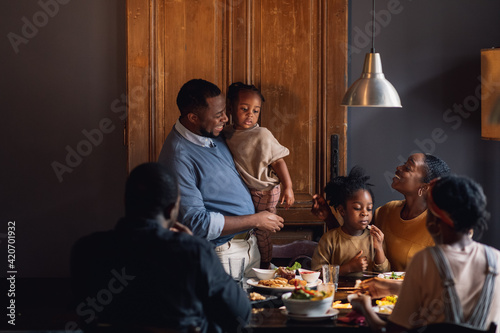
(420, 191)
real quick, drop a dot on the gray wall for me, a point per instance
(62, 68)
(431, 53)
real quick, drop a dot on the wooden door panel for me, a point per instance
(191, 32)
(289, 81)
(138, 84)
(193, 43)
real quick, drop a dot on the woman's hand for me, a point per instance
(380, 287)
(361, 303)
(320, 208)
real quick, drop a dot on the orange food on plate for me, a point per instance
(340, 305)
(297, 282)
(256, 297)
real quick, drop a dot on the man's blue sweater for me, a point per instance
(210, 186)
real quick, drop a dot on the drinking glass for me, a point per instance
(236, 269)
(330, 275)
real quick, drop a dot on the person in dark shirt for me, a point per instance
(149, 271)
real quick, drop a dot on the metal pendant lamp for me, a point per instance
(372, 89)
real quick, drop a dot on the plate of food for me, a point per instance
(383, 311)
(256, 298)
(285, 280)
(392, 275)
(342, 307)
(282, 284)
(385, 305)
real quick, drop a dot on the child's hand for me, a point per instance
(287, 197)
(378, 237)
(358, 263)
(320, 208)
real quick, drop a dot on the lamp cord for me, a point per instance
(373, 26)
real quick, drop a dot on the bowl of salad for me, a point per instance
(307, 302)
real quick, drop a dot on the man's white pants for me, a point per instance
(241, 248)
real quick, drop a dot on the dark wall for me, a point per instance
(63, 72)
(431, 53)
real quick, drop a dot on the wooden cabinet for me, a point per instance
(295, 51)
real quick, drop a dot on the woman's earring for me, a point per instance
(420, 191)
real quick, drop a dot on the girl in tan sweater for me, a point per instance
(355, 246)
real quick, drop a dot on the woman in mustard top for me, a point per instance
(403, 221)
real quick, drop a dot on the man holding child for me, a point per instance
(215, 202)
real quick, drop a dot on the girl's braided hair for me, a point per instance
(234, 90)
(342, 188)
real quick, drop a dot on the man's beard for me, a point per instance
(207, 134)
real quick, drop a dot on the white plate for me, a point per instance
(383, 313)
(329, 314)
(255, 283)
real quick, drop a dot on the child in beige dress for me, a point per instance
(258, 157)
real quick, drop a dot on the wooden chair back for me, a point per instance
(299, 250)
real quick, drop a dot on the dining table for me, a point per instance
(270, 315)
(267, 316)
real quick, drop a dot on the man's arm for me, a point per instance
(211, 225)
(192, 210)
(263, 220)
